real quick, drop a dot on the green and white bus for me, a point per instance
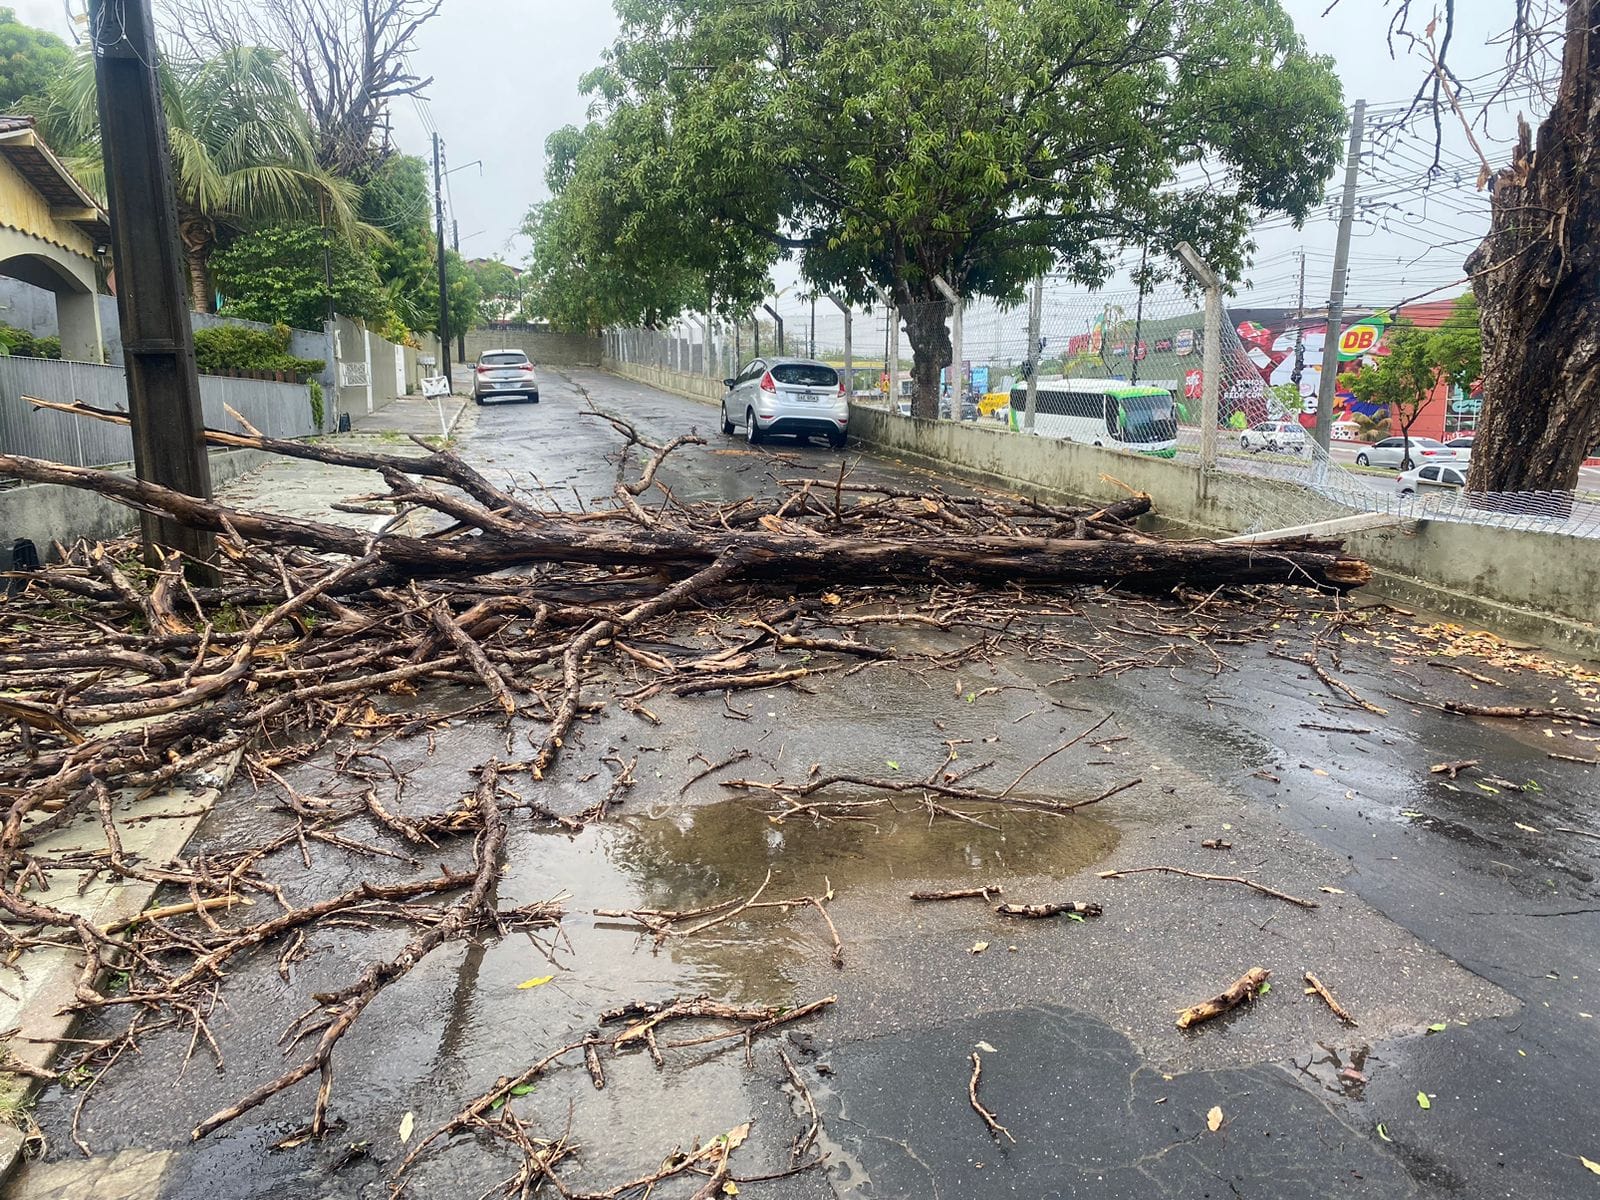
(1103, 412)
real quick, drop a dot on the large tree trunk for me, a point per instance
(925, 318)
(1538, 290)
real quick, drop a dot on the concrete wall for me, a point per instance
(541, 346)
(45, 512)
(1537, 586)
(366, 370)
(695, 387)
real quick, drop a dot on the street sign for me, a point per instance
(1193, 387)
(434, 386)
(353, 374)
(1183, 343)
(1361, 337)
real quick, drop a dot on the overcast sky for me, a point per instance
(506, 74)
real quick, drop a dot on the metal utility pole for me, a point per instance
(1035, 318)
(1341, 266)
(461, 334)
(444, 286)
(1138, 319)
(813, 353)
(152, 303)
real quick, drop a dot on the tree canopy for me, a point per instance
(889, 142)
(29, 60)
(276, 275)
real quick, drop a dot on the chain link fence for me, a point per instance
(1119, 370)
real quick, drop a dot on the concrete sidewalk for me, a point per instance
(38, 986)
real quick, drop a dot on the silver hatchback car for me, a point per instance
(787, 396)
(504, 373)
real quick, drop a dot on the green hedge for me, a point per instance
(239, 348)
(24, 345)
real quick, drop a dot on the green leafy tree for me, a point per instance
(241, 151)
(1458, 345)
(1401, 381)
(276, 275)
(30, 60)
(894, 142)
(500, 291)
(395, 201)
(462, 288)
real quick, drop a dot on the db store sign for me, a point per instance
(1358, 340)
(1193, 385)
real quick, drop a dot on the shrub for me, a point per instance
(317, 411)
(22, 344)
(241, 348)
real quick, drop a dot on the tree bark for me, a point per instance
(502, 541)
(1538, 290)
(926, 328)
(199, 239)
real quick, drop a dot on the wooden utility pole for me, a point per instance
(152, 302)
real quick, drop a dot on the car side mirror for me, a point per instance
(728, 383)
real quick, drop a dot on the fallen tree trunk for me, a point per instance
(500, 541)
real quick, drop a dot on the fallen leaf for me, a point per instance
(831, 598)
(1438, 1027)
(1263, 989)
(978, 947)
(986, 1048)
(523, 1089)
(1353, 1075)
(1332, 891)
(892, 765)
(1071, 916)
(1423, 1101)
(533, 983)
(730, 1188)
(1407, 812)
(1319, 771)
(407, 1124)
(1384, 1133)
(1214, 1118)
(1590, 1163)
(1525, 828)
(1484, 787)
(736, 1136)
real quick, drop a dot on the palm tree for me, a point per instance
(241, 146)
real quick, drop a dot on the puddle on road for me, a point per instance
(699, 856)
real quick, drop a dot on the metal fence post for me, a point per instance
(1035, 319)
(1210, 383)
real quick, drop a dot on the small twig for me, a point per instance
(1316, 985)
(996, 1130)
(1249, 883)
(982, 893)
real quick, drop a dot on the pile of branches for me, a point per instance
(122, 677)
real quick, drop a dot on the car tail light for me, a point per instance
(768, 384)
(841, 389)
(482, 370)
(1429, 453)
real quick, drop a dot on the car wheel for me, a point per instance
(727, 425)
(751, 433)
(838, 440)
(1363, 461)
(1408, 465)
(1408, 491)
(478, 400)
(534, 396)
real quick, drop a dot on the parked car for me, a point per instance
(1462, 446)
(787, 396)
(1392, 452)
(1276, 436)
(1434, 475)
(504, 373)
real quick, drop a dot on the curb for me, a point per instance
(43, 1013)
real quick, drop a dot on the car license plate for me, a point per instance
(802, 397)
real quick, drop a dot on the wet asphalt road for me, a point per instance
(1446, 905)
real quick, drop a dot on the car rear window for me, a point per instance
(806, 375)
(504, 360)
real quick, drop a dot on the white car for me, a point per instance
(1462, 446)
(1276, 436)
(1435, 475)
(1393, 452)
(794, 396)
